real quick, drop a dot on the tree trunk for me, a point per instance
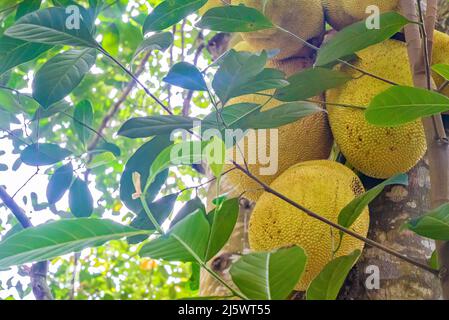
(397, 279)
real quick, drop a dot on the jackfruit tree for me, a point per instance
(238, 149)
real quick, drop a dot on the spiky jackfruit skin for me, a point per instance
(323, 186)
(377, 152)
(304, 18)
(342, 13)
(440, 56)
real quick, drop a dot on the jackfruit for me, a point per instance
(377, 152)
(440, 56)
(341, 13)
(304, 18)
(323, 186)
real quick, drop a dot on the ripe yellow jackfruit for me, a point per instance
(304, 18)
(375, 151)
(323, 186)
(440, 56)
(341, 13)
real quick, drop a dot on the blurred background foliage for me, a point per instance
(113, 271)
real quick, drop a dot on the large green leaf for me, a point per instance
(279, 116)
(186, 242)
(49, 26)
(310, 83)
(236, 69)
(82, 119)
(43, 154)
(80, 199)
(357, 37)
(222, 222)
(401, 104)
(433, 225)
(14, 52)
(170, 12)
(61, 74)
(59, 183)
(58, 238)
(141, 162)
(143, 127)
(234, 19)
(186, 76)
(327, 284)
(267, 79)
(269, 275)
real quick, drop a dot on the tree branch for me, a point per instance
(38, 273)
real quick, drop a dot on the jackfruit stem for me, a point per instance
(347, 231)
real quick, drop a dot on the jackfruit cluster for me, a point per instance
(323, 186)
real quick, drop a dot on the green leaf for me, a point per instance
(80, 199)
(108, 147)
(43, 154)
(27, 6)
(161, 210)
(222, 221)
(234, 19)
(56, 108)
(14, 52)
(357, 37)
(111, 39)
(186, 76)
(399, 105)
(184, 153)
(141, 162)
(101, 160)
(349, 214)
(59, 183)
(188, 208)
(186, 242)
(170, 12)
(269, 275)
(61, 74)
(310, 83)
(327, 284)
(236, 69)
(265, 80)
(49, 26)
(58, 238)
(158, 41)
(277, 117)
(142, 127)
(83, 117)
(442, 70)
(433, 225)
